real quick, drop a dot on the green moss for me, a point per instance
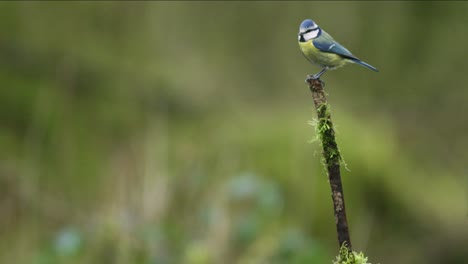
(326, 135)
(346, 257)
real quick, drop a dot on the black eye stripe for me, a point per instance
(310, 30)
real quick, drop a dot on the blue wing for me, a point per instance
(326, 43)
(333, 47)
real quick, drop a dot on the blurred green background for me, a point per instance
(177, 132)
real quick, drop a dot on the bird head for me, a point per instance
(308, 30)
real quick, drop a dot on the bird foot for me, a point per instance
(311, 78)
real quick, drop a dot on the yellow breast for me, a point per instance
(323, 59)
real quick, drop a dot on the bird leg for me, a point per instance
(317, 76)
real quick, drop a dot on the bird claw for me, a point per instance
(311, 78)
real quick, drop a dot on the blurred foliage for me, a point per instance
(176, 132)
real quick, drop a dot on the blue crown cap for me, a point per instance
(307, 24)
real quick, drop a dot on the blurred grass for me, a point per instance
(159, 132)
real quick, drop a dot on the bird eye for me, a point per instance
(310, 30)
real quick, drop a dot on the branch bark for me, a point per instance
(332, 158)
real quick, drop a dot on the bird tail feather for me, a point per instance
(367, 65)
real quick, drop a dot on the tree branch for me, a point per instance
(332, 158)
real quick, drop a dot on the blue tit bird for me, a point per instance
(321, 49)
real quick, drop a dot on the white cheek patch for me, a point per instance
(311, 35)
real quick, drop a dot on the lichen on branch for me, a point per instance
(331, 158)
(350, 257)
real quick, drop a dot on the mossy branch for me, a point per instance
(350, 257)
(332, 158)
